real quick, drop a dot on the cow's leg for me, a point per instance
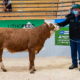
(31, 59)
(1, 63)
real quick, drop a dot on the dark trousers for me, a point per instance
(75, 50)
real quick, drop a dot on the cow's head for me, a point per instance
(50, 26)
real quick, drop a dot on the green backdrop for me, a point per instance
(19, 23)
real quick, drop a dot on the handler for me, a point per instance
(73, 19)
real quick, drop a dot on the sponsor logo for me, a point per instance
(64, 32)
(29, 25)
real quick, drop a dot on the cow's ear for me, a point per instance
(51, 26)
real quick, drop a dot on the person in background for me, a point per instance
(73, 19)
(7, 5)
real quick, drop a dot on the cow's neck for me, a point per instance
(44, 32)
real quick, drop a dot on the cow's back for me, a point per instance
(14, 39)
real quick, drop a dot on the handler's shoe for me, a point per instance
(73, 66)
(79, 66)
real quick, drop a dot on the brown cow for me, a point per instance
(32, 40)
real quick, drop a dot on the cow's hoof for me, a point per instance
(4, 70)
(32, 71)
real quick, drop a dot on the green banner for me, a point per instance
(20, 23)
(62, 36)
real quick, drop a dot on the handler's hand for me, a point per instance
(56, 27)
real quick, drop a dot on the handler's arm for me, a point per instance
(64, 23)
